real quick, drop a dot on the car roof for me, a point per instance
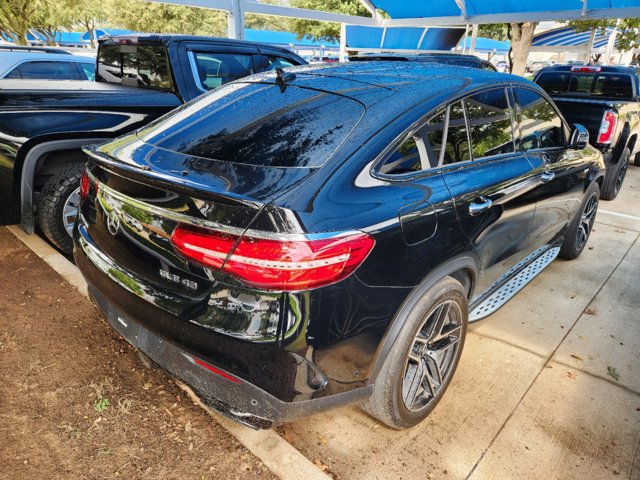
(396, 86)
(167, 39)
(419, 57)
(10, 59)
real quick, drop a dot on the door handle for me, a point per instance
(546, 177)
(479, 205)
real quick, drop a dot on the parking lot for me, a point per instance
(548, 387)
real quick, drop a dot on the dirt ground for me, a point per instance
(77, 402)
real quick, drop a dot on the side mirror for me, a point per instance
(579, 137)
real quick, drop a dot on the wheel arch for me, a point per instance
(464, 268)
(30, 164)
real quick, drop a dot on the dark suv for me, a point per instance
(300, 240)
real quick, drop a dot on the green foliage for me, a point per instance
(628, 37)
(143, 16)
(325, 31)
(53, 16)
(101, 404)
(16, 18)
(495, 31)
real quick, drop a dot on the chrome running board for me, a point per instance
(517, 282)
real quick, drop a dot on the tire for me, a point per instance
(615, 177)
(580, 228)
(396, 400)
(58, 206)
(636, 160)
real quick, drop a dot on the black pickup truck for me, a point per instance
(606, 100)
(44, 124)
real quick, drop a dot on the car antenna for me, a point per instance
(282, 78)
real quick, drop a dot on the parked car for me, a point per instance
(533, 67)
(46, 66)
(441, 58)
(43, 125)
(502, 66)
(305, 239)
(607, 101)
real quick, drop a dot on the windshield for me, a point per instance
(258, 124)
(143, 66)
(609, 85)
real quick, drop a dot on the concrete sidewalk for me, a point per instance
(535, 394)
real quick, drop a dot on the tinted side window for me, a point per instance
(49, 70)
(457, 147)
(89, 70)
(423, 149)
(404, 159)
(15, 73)
(540, 125)
(489, 118)
(215, 69)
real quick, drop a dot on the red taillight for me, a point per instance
(586, 69)
(607, 127)
(84, 186)
(275, 264)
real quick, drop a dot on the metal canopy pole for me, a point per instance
(610, 44)
(235, 20)
(592, 38)
(343, 42)
(474, 36)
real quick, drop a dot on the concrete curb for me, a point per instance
(275, 452)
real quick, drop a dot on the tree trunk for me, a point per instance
(22, 39)
(521, 36)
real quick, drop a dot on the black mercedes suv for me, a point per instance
(298, 240)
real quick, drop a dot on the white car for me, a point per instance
(46, 66)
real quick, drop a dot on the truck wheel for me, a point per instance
(636, 160)
(423, 359)
(615, 177)
(58, 208)
(580, 227)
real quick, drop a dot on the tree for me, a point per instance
(51, 17)
(16, 18)
(143, 16)
(521, 37)
(325, 31)
(627, 38)
(89, 13)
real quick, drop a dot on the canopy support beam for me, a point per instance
(595, 14)
(276, 10)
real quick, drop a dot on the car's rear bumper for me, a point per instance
(179, 347)
(222, 391)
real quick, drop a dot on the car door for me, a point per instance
(489, 182)
(542, 136)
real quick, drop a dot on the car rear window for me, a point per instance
(610, 85)
(258, 124)
(143, 66)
